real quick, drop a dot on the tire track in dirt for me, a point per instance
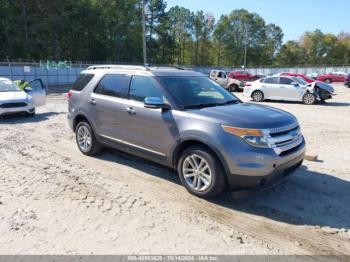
(294, 240)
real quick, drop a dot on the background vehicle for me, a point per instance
(186, 121)
(231, 84)
(288, 88)
(312, 75)
(347, 81)
(307, 79)
(14, 100)
(332, 77)
(242, 75)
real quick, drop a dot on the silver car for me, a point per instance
(185, 121)
(13, 100)
(288, 88)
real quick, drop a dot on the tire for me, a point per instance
(328, 81)
(233, 88)
(258, 96)
(309, 99)
(31, 114)
(194, 181)
(86, 139)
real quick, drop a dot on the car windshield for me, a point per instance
(196, 91)
(299, 80)
(7, 85)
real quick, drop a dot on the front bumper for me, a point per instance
(16, 110)
(264, 168)
(245, 185)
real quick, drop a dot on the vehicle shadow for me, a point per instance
(305, 198)
(21, 119)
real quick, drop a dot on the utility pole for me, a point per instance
(245, 47)
(245, 56)
(144, 33)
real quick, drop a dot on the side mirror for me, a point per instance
(295, 84)
(28, 89)
(155, 103)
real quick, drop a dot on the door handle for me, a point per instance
(92, 101)
(131, 110)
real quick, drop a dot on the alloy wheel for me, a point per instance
(84, 138)
(309, 99)
(197, 172)
(258, 96)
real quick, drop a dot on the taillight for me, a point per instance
(248, 84)
(69, 95)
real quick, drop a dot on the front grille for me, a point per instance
(284, 132)
(290, 151)
(12, 105)
(285, 140)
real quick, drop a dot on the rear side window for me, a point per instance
(82, 81)
(115, 85)
(286, 81)
(142, 87)
(271, 80)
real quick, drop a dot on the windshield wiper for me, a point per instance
(202, 105)
(228, 102)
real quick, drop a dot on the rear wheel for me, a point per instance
(309, 99)
(258, 96)
(233, 88)
(86, 140)
(201, 173)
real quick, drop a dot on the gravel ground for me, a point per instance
(54, 200)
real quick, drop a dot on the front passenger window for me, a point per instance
(142, 87)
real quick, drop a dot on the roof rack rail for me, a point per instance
(130, 67)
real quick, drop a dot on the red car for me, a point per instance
(307, 79)
(332, 77)
(242, 75)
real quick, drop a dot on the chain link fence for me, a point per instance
(63, 73)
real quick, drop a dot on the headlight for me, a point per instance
(254, 137)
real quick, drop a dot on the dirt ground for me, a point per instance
(54, 200)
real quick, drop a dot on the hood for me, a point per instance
(13, 96)
(245, 115)
(324, 86)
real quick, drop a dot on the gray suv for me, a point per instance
(185, 121)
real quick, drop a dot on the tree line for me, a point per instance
(111, 30)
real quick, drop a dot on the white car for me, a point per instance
(288, 88)
(14, 100)
(221, 77)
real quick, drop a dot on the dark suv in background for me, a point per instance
(186, 121)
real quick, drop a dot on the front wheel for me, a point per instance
(309, 99)
(31, 113)
(258, 96)
(201, 173)
(86, 140)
